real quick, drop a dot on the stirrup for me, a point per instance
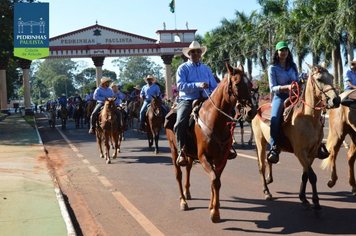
(323, 152)
(273, 156)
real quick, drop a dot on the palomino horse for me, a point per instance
(305, 121)
(342, 122)
(154, 121)
(210, 139)
(107, 129)
(133, 110)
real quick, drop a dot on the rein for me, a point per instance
(221, 111)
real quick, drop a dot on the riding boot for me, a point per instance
(181, 159)
(92, 125)
(273, 155)
(323, 152)
(232, 154)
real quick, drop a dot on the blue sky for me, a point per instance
(142, 17)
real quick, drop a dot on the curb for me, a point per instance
(59, 194)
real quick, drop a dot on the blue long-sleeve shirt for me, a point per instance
(148, 91)
(119, 97)
(278, 76)
(190, 77)
(100, 94)
(350, 77)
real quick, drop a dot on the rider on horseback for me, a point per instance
(100, 94)
(147, 91)
(193, 77)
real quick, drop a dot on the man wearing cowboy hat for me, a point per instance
(148, 90)
(194, 80)
(350, 78)
(100, 94)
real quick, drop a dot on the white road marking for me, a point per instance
(150, 228)
(246, 156)
(93, 169)
(105, 181)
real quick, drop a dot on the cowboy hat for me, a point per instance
(138, 87)
(104, 80)
(150, 77)
(192, 46)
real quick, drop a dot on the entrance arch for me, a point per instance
(99, 42)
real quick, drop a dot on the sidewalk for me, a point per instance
(30, 203)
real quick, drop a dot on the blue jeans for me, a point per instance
(276, 117)
(184, 108)
(95, 114)
(143, 111)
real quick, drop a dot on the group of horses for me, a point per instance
(212, 132)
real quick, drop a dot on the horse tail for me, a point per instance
(326, 163)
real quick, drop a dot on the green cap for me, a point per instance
(281, 44)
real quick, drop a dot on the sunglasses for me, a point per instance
(197, 51)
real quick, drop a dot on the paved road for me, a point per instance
(137, 194)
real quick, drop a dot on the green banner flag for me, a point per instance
(172, 6)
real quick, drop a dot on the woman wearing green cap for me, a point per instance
(281, 73)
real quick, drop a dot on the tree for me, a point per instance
(134, 69)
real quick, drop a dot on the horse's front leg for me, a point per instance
(107, 149)
(115, 143)
(351, 156)
(303, 186)
(215, 204)
(156, 137)
(313, 179)
(99, 141)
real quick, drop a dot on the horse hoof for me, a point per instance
(184, 206)
(215, 218)
(331, 183)
(101, 156)
(268, 197)
(108, 161)
(306, 205)
(316, 207)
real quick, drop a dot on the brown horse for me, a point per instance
(88, 110)
(305, 121)
(107, 129)
(342, 122)
(133, 110)
(211, 136)
(154, 121)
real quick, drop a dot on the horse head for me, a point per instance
(322, 82)
(156, 105)
(241, 88)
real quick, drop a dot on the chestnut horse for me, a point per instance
(305, 121)
(107, 129)
(211, 136)
(89, 108)
(154, 121)
(342, 122)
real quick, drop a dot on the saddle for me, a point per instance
(348, 98)
(170, 119)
